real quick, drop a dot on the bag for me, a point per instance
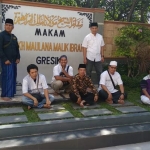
(125, 94)
(63, 75)
(38, 95)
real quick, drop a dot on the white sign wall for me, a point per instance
(44, 34)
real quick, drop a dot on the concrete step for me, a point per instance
(26, 129)
(81, 139)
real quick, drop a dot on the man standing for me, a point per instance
(107, 89)
(93, 51)
(34, 89)
(83, 91)
(62, 74)
(10, 57)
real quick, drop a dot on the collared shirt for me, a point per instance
(79, 84)
(93, 45)
(30, 86)
(105, 80)
(9, 48)
(58, 69)
(145, 84)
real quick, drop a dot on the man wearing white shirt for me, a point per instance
(33, 84)
(93, 51)
(62, 75)
(107, 90)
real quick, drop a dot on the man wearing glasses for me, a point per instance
(108, 81)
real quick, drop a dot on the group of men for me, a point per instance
(79, 87)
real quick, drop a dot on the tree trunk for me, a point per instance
(129, 18)
(96, 2)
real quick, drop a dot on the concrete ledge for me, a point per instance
(11, 131)
(83, 139)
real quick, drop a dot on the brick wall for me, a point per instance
(110, 32)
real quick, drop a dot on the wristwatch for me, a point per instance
(122, 93)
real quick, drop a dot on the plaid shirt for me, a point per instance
(79, 84)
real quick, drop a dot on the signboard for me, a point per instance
(44, 34)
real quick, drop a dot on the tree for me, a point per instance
(117, 10)
(133, 42)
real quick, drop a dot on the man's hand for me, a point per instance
(69, 80)
(7, 62)
(35, 102)
(85, 61)
(48, 102)
(102, 59)
(79, 100)
(110, 96)
(121, 97)
(95, 98)
(17, 61)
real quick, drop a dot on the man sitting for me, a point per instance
(108, 81)
(62, 74)
(145, 89)
(34, 89)
(83, 91)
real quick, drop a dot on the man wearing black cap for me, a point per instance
(10, 57)
(83, 91)
(93, 53)
(62, 74)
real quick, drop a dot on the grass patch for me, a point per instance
(134, 97)
(31, 114)
(74, 112)
(111, 108)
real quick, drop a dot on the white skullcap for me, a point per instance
(113, 63)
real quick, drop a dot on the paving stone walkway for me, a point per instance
(75, 106)
(53, 108)
(127, 103)
(131, 109)
(11, 110)
(57, 111)
(13, 119)
(56, 115)
(93, 112)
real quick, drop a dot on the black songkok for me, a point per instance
(93, 24)
(10, 21)
(82, 66)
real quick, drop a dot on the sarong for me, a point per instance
(8, 77)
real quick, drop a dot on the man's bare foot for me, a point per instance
(29, 107)
(82, 103)
(6, 98)
(47, 106)
(109, 101)
(120, 101)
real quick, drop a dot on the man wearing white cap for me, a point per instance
(108, 82)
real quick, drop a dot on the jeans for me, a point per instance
(29, 102)
(98, 68)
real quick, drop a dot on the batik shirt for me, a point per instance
(80, 85)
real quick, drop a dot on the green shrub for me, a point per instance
(133, 42)
(130, 82)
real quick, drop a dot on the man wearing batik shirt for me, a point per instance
(83, 91)
(145, 89)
